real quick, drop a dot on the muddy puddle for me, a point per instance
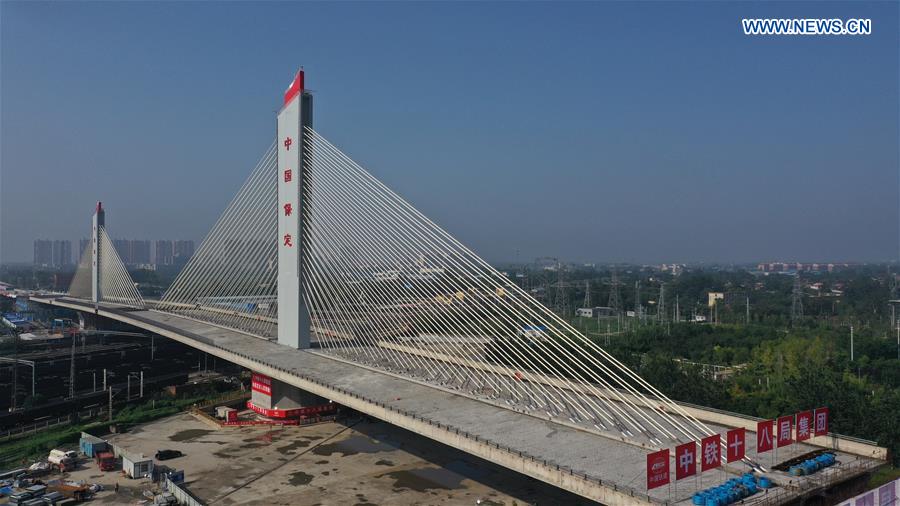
(187, 435)
(300, 478)
(290, 448)
(353, 445)
(428, 478)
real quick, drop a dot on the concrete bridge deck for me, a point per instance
(583, 462)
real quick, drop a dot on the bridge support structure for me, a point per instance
(294, 116)
(273, 398)
(98, 222)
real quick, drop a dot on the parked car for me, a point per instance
(168, 454)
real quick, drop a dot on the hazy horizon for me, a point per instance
(594, 132)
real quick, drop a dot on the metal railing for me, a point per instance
(550, 465)
(50, 423)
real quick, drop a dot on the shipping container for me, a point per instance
(91, 445)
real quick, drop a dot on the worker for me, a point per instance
(117, 487)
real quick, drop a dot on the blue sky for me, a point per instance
(609, 131)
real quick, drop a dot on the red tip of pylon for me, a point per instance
(99, 206)
(295, 88)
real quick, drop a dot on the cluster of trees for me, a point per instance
(773, 364)
(774, 372)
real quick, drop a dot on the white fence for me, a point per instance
(885, 495)
(183, 496)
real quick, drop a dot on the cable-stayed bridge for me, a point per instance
(324, 281)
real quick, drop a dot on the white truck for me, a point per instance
(62, 459)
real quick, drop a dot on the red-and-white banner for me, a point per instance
(658, 469)
(804, 425)
(710, 452)
(785, 426)
(293, 413)
(685, 460)
(261, 383)
(765, 436)
(820, 419)
(735, 444)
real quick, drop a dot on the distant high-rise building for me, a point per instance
(133, 251)
(140, 252)
(56, 253)
(43, 252)
(62, 253)
(123, 248)
(165, 252)
(184, 250)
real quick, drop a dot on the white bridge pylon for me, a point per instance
(380, 284)
(101, 276)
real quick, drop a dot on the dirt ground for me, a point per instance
(355, 462)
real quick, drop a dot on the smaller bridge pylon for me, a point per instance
(101, 276)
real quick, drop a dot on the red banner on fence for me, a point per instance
(804, 425)
(685, 460)
(785, 429)
(658, 469)
(736, 443)
(765, 438)
(711, 452)
(821, 422)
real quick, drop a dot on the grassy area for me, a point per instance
(884, 475)
(27, 450)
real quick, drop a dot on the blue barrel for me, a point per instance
(712, 501)
(765, 482)
(699, 499)
(751, 489)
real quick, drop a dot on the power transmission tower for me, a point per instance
(661, 306)
(614, 292)
(587, 293)
(637, 301)
(15, 371)
(72, 370)
(797, 301)
(562, 298)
